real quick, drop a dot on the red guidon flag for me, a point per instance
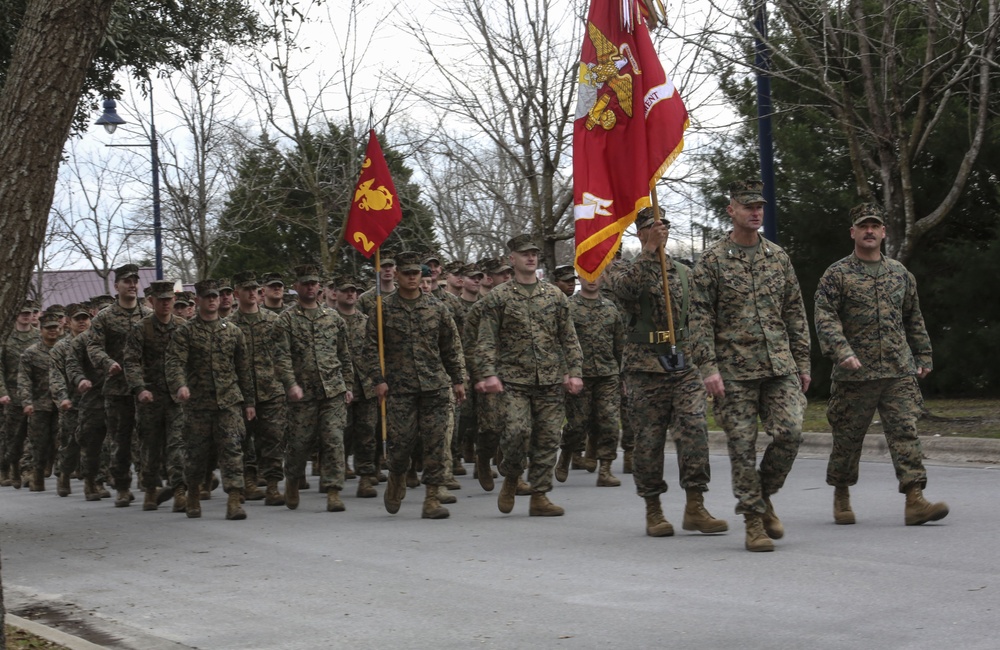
(375, 209)
(629, 127)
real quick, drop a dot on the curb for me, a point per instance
(51, 634)
(936, 449)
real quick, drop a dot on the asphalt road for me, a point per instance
(591, 579)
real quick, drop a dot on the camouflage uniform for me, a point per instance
(160, 422)
(458, 309)
(210, 358)
(874, 316)
(601, 333)
(106, 346)
(466, 425)
(311, 350)
(362, 413)
(489, 420)
(423, 360)
(661, 400)
(748, 323)
(91, 430)
(67, 447)
(15, 431)
(33, 390)
(527, 340)
(366, 301)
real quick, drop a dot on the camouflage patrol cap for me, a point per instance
(50, 319)
(148, 290)
(646, 217)
(407, 261)
(565, 273)
(471, 270)
(245, 280)
(181, 299)
(308, 273)
(126, 271)
(225, 284)
(272, 278)
(522, 244)
(78, 309)
(747, 191)
(866, 212)
(102, 300)
(29, 306)
(161, 289)
(431, 257)
(345, 282)
(454, 268)
(56, 309)
(206, 288)
(388, 261)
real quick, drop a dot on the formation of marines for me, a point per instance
(476, 363)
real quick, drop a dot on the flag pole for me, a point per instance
(381, 341)
(672, 361)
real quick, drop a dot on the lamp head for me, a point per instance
(110, 118)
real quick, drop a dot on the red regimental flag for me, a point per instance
(629, 127)
(375, 210)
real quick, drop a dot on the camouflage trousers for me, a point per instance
(67, 448)
(161, 432)
(16, 434)
(120, 413)
(594, 413)
(468, 424)
(220, 430)
(533, 418)
(852, 405)
(489, 417)
(419, 418)
(629, 426)
(671, 403)
(266, 435)
(450, 427)
(780, 404)
(359, 435)
(43, 429)
(91, 432)
(317, 423)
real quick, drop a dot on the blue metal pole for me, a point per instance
(157, 227)
(764, 110)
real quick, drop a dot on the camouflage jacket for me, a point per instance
(527, 338)
(600, 332)
(145, 353)
(311, 350)
(423, 350)
(458, 307)
(258, 332)
(10, 359)
(470, 341)
(106, 346)
(210, 358)
(366, 301)
(33, 378)
(875, 318)
(58, 385)
(79, 367)
(641, 280)
(609, 285)
(357, 328)
(747, 319)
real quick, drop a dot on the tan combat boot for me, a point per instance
(90, 492)
(484, 473)
(696, 517)
(102, 491)
(605, 478)
(432, 506)
(412, 480)
(149, 502)
(590, 456)
(656, 523)
(180, 499)
(291, 492)
(757, 539)
(250, 490)
(540, 506)
(445, 496)
(124, 498)
(469, 451)
(194, 501)
(523, 489)
(366, 487)
(333, 501)
(627, 462)
(919, 510)
(395, 489)
(62, 487)
(15, 476)
(38, 480)
(772, 525)
(234, 511)
(562, 466)
(164, 494)
(508, 489)
(457, 468)
(842, 513)
(272, 496)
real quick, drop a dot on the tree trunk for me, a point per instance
(54, 48)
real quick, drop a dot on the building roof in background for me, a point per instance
(67, 287)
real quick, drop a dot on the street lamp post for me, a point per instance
(110, 121)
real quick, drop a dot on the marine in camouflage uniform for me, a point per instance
(463, 443)
(15, 430)
(868, 322)
(530, 354)
(208, 371)
(87, 380)
(160, 420)
(594, 411)
(266, 432)
(36, 400)
(457, 308)
(751, 341)
(628, 424)
(423, 365)
(106, 346)
(313, 362)
(386, 275)
(274, 291)
(66, 399)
